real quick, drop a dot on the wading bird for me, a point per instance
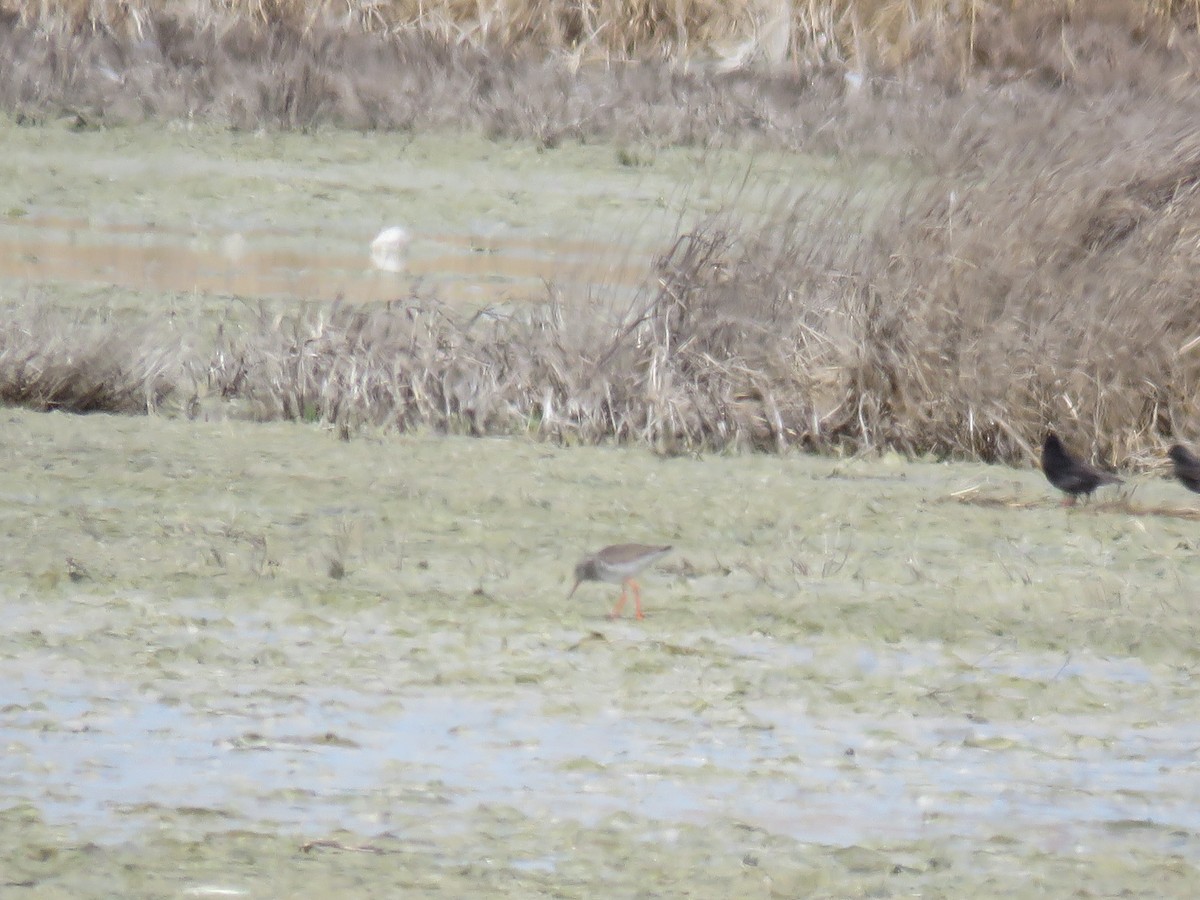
(617, 565)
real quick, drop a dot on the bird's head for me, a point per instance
(585, 570)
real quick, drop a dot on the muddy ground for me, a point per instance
(247, 659)
(223, 642)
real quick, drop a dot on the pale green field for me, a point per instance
(847, 683)
(223, 641)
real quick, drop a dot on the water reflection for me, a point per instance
(304, 265)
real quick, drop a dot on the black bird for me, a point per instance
(1070, 474)
(1187, 467)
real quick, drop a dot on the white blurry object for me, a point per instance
(234, 246)
(389, 250)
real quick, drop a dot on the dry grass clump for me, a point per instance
(1052, 285)
(50, 360)
(1042, 272)
(1058, 289)
(657, 371)
(408, 364)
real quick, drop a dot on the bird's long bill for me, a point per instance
(578, 582)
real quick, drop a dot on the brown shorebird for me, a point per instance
(617, 565)
(1070, 474)
(1187, 467)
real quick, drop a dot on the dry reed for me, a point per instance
(78, 363)
(298, 65)
(1047, 38)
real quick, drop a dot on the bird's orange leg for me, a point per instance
(637, 597)
(616, 613)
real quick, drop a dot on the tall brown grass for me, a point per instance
(85, 362)
(1055, 39)
(234, 72)
(515, 69)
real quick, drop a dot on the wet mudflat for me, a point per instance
(257, 660)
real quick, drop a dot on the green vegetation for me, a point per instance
(848, 680)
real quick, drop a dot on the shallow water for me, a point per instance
(109, 764)
(292, 217)
(464, 268)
